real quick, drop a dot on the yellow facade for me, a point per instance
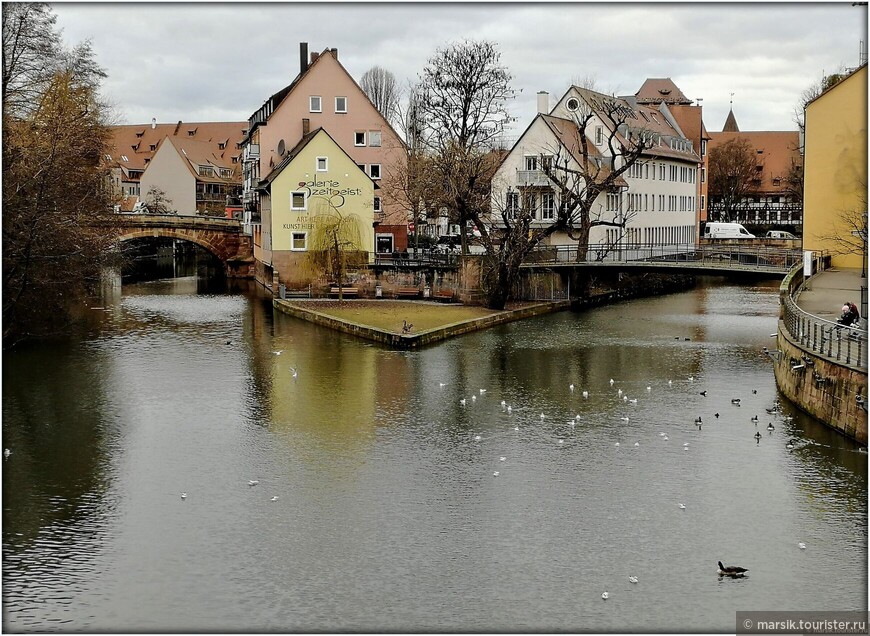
(835, 168)
(324, 180)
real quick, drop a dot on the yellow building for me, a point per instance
(835, 171)
(315, 182)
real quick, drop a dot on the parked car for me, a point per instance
(725, 231)
(779, 234)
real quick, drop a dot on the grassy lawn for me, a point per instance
(388, 315)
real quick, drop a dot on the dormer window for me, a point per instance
(341, 104)
(206, 171)
(140, 133)
(153, 146)
(191, 132)
(314, 104)
(147, 159)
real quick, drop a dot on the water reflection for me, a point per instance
(389, 516)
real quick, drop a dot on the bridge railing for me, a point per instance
(825, 338)
(719, 256)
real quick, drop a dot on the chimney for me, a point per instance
(306, 126)
(177, 126)
(334, 53)
(153, 123)
(314, 56)
(303, 57)
(543, 102)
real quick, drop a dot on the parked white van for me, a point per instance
(780, 234)
(725, 230)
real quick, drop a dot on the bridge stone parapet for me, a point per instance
(221, 237)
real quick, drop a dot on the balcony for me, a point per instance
(532, 178)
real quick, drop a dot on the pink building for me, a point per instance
(323, 95)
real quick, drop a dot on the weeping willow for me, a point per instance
(335, 243)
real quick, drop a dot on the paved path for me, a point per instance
(829, 290)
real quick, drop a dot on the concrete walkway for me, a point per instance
(828, 290)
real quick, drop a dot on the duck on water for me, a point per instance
(732, 570)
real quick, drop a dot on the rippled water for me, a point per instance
(389, 516)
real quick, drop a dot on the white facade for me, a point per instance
(659, 193)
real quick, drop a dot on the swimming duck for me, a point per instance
(754, 419)
(770, 427)
(704, 393)
(733, 570)
(757, 437)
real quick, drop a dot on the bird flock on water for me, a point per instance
(622, 396)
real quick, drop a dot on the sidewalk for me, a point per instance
(828, 290)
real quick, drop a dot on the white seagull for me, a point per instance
(253, 482)
(605, 596)
(802, 545)
(682, 506)
(6, 453)
(184, 495)
(495, 474)
(501, 459)
(477, 438)
(611, 381)
(462, 401)
(275, 498)
(571, 386)
(632, 579)
(279, 352)
(293, 371)
(585, 395)
(648, 389)
(482, 391)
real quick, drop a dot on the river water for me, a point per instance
(389, 514)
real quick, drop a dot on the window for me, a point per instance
(375, 138)
(377, 204)
(573, 104)
(322, 164)
(546, 163)
(298, 241)
(530, 200)
(548, 206)
(298, 200)
(359, 138)
(226, 173)
(512, 204)
(314, 104)
(531, 163)
(375, 171)
(703, 175)
(206, 171)
(599, 135)
(341, 104)
(703, 147)
(702, 201)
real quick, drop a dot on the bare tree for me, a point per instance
(578, 175)
(31, 50)
(732, 170)
(463, 104)
(157, 202)
(381, 87)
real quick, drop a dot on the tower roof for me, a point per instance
(730, 123)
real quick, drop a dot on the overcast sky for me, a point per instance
(221, 61)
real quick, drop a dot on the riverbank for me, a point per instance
(434, 321)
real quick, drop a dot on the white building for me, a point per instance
(656, 197)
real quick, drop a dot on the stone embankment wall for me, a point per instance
(823, 388)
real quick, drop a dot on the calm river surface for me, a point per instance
(389, 515)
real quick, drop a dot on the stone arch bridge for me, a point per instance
(222, 237)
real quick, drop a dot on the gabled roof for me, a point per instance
(200, 153)
(833, 86)
(135, 141)
(294, 152)
(776, 150)
(648, 118)
(661, 89)
(275, 101)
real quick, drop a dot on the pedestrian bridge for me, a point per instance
(222, 237)
(723, 259)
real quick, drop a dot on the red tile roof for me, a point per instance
(656, 90)
(776, 151)
(130, 145)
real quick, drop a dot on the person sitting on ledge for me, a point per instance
(850, 314)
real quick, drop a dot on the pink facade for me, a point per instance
(351, 127)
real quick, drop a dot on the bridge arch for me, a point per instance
(221, 237)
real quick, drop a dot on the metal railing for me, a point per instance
(731, 256)
(825, 338)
